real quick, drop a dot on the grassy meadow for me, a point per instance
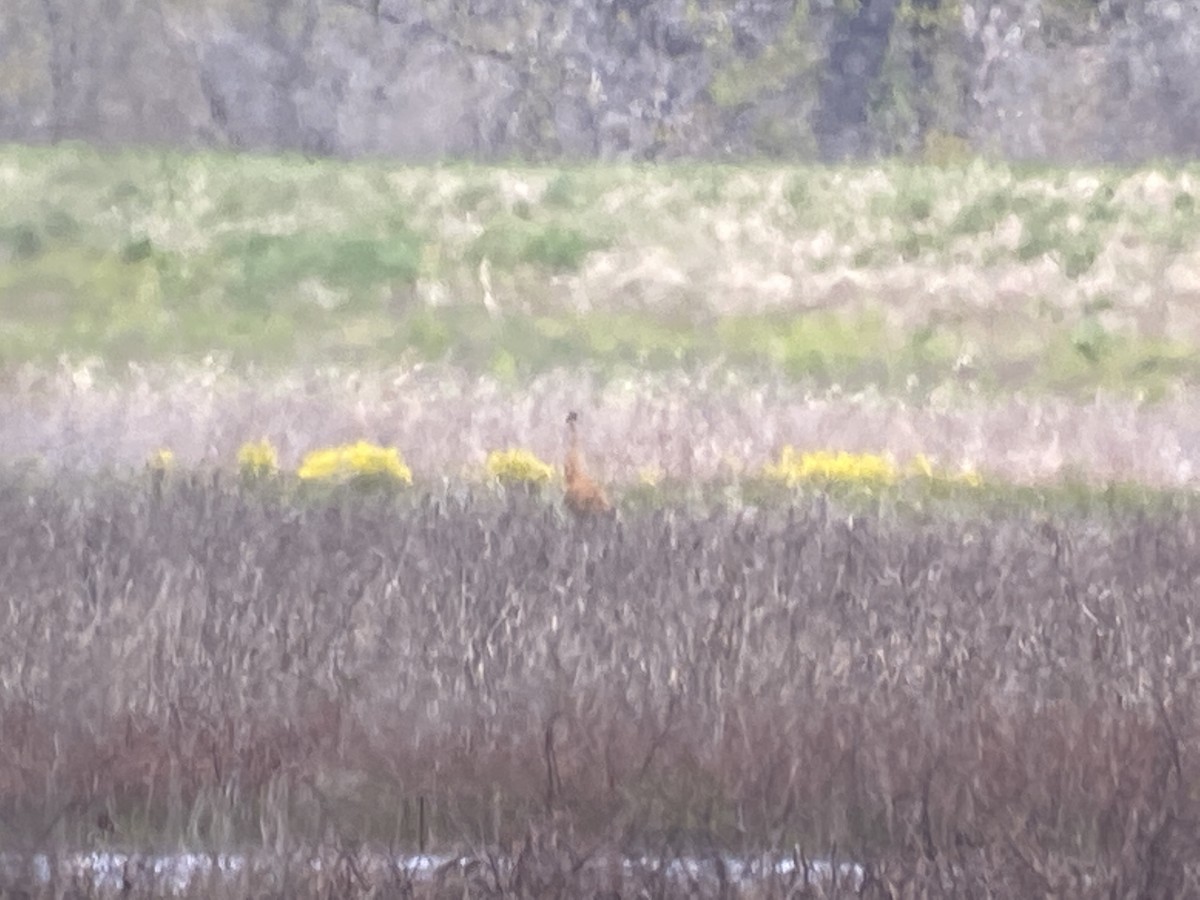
(995, 276)
(897, 599)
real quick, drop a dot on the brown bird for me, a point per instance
(584, 497)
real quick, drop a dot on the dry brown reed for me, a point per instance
(968, 703)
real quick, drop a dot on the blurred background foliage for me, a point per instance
(542, 79)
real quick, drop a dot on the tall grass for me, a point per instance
(715, 427)
(978, 700)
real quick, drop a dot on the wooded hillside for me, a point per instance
(484, 79)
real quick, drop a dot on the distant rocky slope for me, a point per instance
(1088, 80)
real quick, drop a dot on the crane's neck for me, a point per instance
(573, 467)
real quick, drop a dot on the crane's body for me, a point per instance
(584, 496)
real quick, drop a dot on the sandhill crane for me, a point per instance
(584, 497)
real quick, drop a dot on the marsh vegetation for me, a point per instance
(958, 698)
(900, 574)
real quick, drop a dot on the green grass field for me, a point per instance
(891, 275)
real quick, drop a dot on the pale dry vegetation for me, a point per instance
(963, 703)
(710, 426)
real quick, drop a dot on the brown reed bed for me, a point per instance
(968, 701)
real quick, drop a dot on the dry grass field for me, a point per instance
(643, 430)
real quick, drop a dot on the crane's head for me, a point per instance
(572, 417)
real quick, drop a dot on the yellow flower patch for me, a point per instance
(161, 459)
(516, 466)
(352, 461)
(868, 469)
(258, 459)
(794, 468)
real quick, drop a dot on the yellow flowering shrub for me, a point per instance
(794, 468)
(355, 461)
(515, 466)
(161, 459)
(258, 459)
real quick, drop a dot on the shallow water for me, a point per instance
(110, 870)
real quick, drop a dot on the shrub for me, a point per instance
(863, 469)
(258, 459)
(353, 462)
(161, 460)
(516, 466)
(796, 468)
